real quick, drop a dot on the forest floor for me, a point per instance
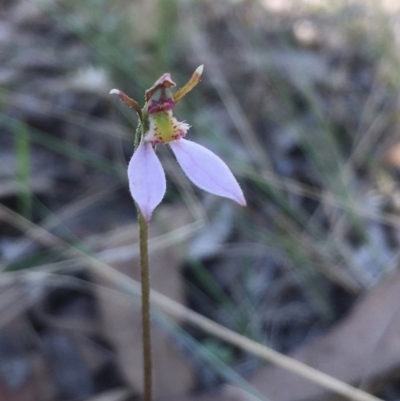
(300, 98)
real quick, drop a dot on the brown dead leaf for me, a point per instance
(392, 156)
(362, 350)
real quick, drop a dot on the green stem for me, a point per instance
(145, 282)
(146, 332)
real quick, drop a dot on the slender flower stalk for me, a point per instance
(146, 327)
(147, 183)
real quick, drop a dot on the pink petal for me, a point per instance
(207, 170)
(146, 179)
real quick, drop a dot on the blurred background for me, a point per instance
(300, 98)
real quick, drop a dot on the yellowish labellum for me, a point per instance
(165, 128)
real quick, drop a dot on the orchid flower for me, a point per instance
(146, 176)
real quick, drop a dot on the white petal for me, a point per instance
(207, 170)
(146, 179)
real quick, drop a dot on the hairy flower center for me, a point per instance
(165, 128)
